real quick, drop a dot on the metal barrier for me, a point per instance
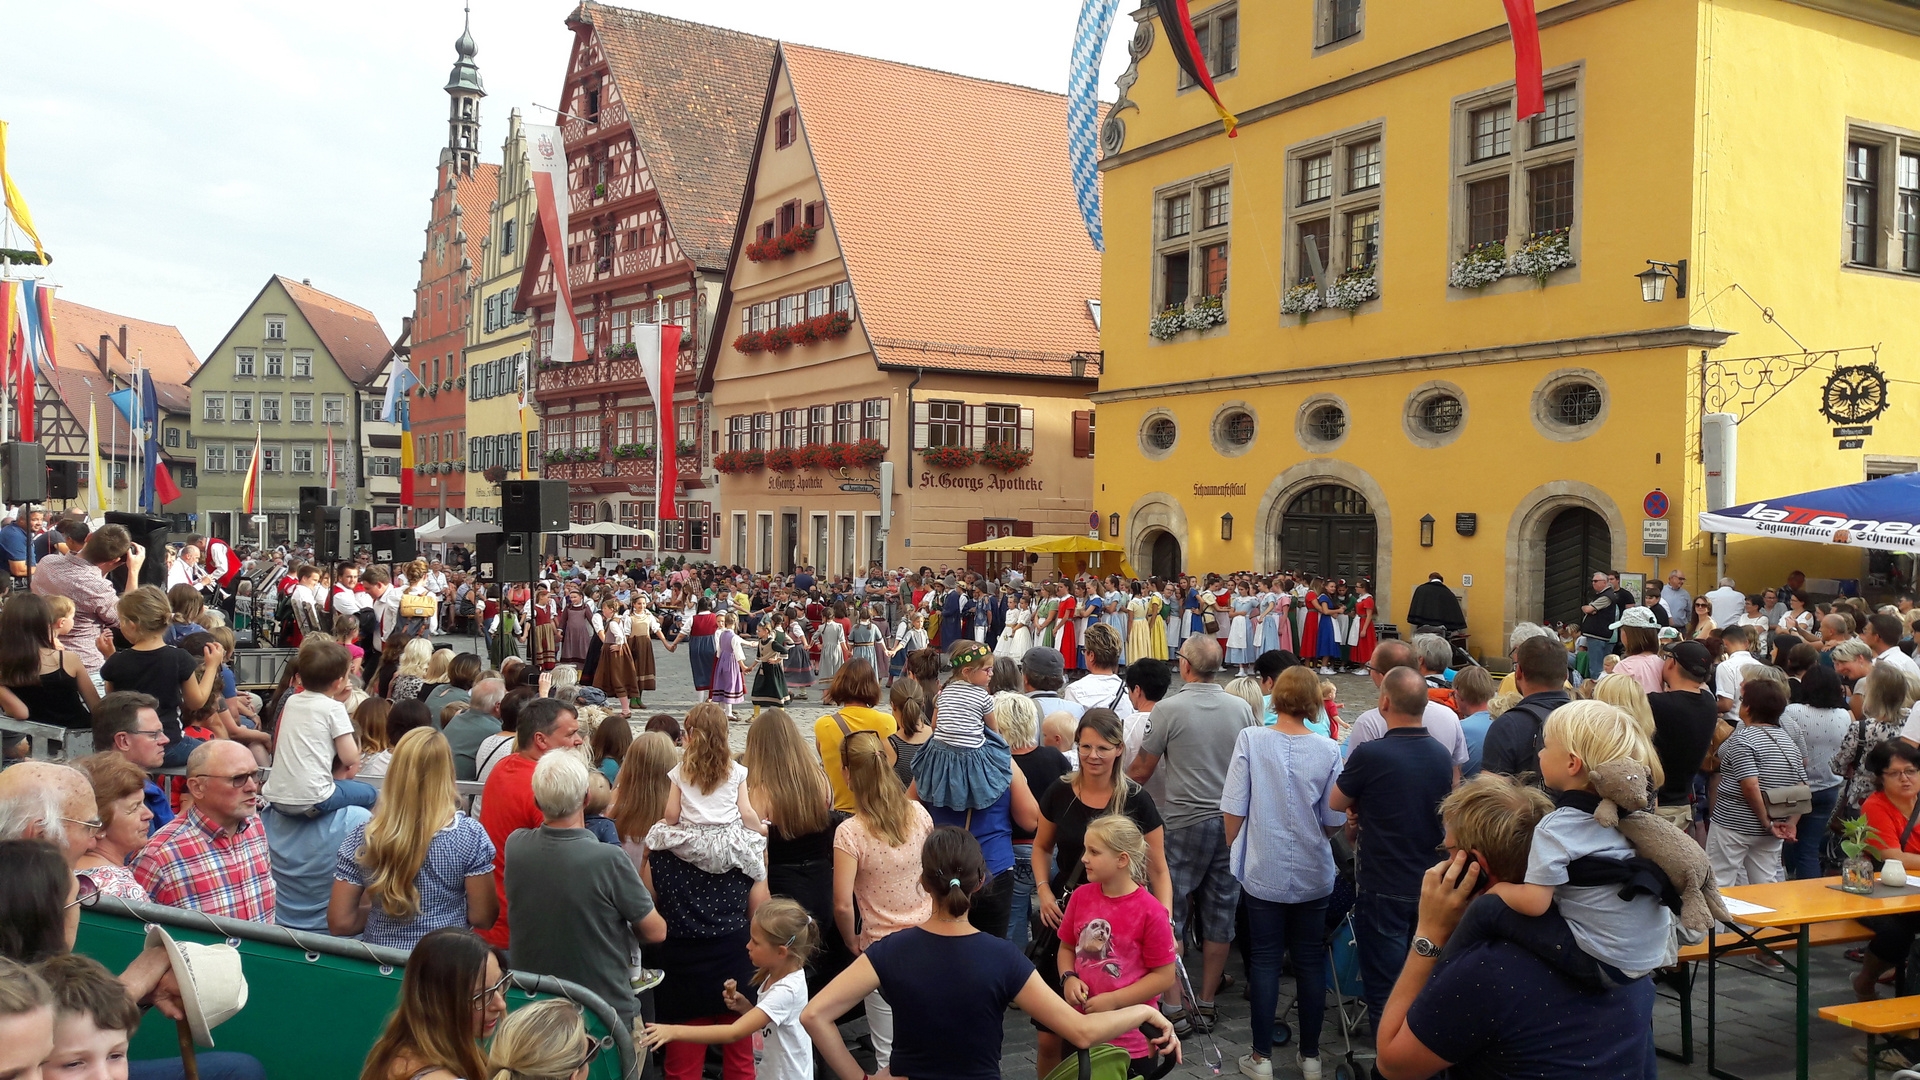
(43, 738)
(315, 1004)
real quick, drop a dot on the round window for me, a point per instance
(1576, 404)
(1161, 432)
(1328, 423)
(1440, 414)
(1238, 428)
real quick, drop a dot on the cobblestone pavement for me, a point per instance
(1755, 1013)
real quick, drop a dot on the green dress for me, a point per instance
(769, 672)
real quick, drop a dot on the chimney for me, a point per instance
(106, 368)
(307, 281)
(123, 340)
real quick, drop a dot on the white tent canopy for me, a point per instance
(432, 529)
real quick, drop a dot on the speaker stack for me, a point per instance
(332, 528)
(533, 506)
(63, 479)
(394, 546)
(23, 475)
(500, 558)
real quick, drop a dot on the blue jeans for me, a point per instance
(1382, 932)
(213, 1065)
(345, 793)
(176, 754)
(1596, 649)
(1022, 895)
(1802, 856)
(1300, 929)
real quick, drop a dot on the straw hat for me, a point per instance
(212, 986)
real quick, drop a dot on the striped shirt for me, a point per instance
(1762, 751)
(960, 715)
(193, 863)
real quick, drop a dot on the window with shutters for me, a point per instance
(945, 424)
(1517, 181)
(1000, 425)
(789, 310)
(1335, 185)
(873, 423)
(1083, 433)
(1882, 178)
(815, 215)
(793, 431)
(784, 126)
(762, 431)
(819, 302)
(173, 437)
(1193, 223)
(819, 424)
(843, 297)
(787, 218)
(846, 422)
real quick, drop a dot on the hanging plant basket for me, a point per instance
(950, 457)
(1481, 266)
(495, 473)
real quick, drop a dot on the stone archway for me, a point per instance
(1152, 516)
(1527, 541)
(1270, 559)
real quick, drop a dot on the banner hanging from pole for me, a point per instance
(549, 159)
(659, 348)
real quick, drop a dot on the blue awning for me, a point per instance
(1883, 513)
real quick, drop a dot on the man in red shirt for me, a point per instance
(506, 803)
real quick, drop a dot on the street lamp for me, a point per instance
(1226, 526)
(1653, 280)
(1113, 524)
(1426, 530)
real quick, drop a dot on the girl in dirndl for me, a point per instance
(729, 663)
(1310, 622)
(1327, 632)
(769, 675)
(799, 668)
(1361, 635)
(615, 674)
(1276, 631)
(1242, 648)
(642, 628)
(698, 632)
(546, 636)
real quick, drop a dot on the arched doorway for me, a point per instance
(1578, 543)
(1166, 557)
(1328, 531)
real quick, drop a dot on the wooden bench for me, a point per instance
(1680, 979)
(1876, 1018)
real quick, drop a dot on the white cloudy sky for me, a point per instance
(174, 155)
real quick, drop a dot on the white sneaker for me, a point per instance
(1310, 1068)
(1259, 1070)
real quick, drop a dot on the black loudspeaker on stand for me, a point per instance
(505, 557)
(328, 524)
(311, 496)
(533, 506)
(23, 475)
(63, 479)
(151, 534)
(394, 546)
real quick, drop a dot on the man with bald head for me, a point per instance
(44, 800)
(213, 858)
(1393, 787)
(1441, 722)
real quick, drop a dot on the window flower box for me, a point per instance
(584, 453)
(774, 248)
(1206, 312)
(1481, 266)
(685, 449)
(633, 452)
(1542, 254)
(1303, 300)
(1171, 320)
(950, 457)
(495, 473)
(1005, 457)
(1353, 288)
(556, 457)
(752, 341)
(629, 351)
(783, 459)
(866, 452)
(739, 461)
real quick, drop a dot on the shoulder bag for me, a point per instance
(1790, 800)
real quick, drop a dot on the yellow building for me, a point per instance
(1501, 417)
(918, 294)
(499, 340)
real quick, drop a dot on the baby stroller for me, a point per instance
(1343, 967)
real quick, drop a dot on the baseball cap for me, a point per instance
(1043, 662)
(1693, 658)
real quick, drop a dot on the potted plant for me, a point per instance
(495, 473)
(1542, 254)
(555, 457)
(1206, 311)
(866, 452)
(1856, 874)
(950, 457)
(1303, 300)
(600, 191)
(1005, 457)
(1171, 320)
(1480, 266)
(781, 459)
(1353, 287)
(752, 341)
(685, 448)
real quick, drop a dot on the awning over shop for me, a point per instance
(1072, 553)
(1883, 513)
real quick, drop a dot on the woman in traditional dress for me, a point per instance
(865, 641)
(1362, 635)
(1309, 637)
(769, 674)
(1044, 610)
(1120, 616)
(799, 668)
(698, 632)
(1276, 632)
(1090, 608)
(546, 637)
(576, 629)
(643, 629)
(910, 637)
(730, 663)
(1157, 623)
(1017, 638)
(1242, 649)
(1141, 624)
(1067, 640)
(1172, 610)
(615, 672)
(832, 641)
(1326, 629)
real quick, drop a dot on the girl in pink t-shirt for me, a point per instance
(1116, 941)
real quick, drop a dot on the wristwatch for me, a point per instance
(1426, 948)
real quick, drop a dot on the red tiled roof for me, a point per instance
(350, 333)
(161, 347)
(694, 95)
(475, 195)
(958, 223)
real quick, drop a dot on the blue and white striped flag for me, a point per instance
(1083, 111)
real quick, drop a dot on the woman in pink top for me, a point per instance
(1640, 649)
(876, 865)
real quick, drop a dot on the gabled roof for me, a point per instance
(943, 215)
(693, 95)
(350, 333)
(475, 195)
(162, 349)
(79, 385)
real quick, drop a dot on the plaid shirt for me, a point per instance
(192, 863)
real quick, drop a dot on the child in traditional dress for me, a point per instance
(965, 765)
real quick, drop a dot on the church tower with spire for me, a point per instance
(464, 91)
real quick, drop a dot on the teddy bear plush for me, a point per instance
(1622, 787)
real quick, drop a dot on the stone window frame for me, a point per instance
(1516, 164)
(1892, 144)
(1147, 449)
(1203, 23)
(1335, 207)
(1412, 416)
(1540, 408)
(1217, 428)
(1302, 424)
(1323, 16)
(1198, 237)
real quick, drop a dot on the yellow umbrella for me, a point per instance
(1008, 543)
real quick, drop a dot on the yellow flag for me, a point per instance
(96, 490)
(16, 205)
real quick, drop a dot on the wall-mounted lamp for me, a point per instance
(1226, 526)
(1113, 524)
(1653, 280)
(1426, 530)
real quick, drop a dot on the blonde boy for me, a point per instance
(1632, 937)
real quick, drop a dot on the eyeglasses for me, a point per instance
(593, 1051)
(238, 780)
(1900, 774)
(480, 999)
(156, 734)
(94, 827)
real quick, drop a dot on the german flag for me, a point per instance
(1186, 52)
(250, 487)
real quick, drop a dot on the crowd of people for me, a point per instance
(1059, 795)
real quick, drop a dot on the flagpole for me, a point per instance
(259, 474)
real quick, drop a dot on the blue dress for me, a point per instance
(1117, 618)
(1192, 607)
(1092, 610)
(1270, 638)
(1329, 631)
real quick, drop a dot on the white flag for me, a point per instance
(549, 158)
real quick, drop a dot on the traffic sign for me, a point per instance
(258, 519)
(1654, 529)
(1655, 504)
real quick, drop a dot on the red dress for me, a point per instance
(1366, 639)
(1309, 625)
(1223, 615)
(1065, 639)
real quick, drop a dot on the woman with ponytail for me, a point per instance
(949, 985)
(876, 866)
(452, 995)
